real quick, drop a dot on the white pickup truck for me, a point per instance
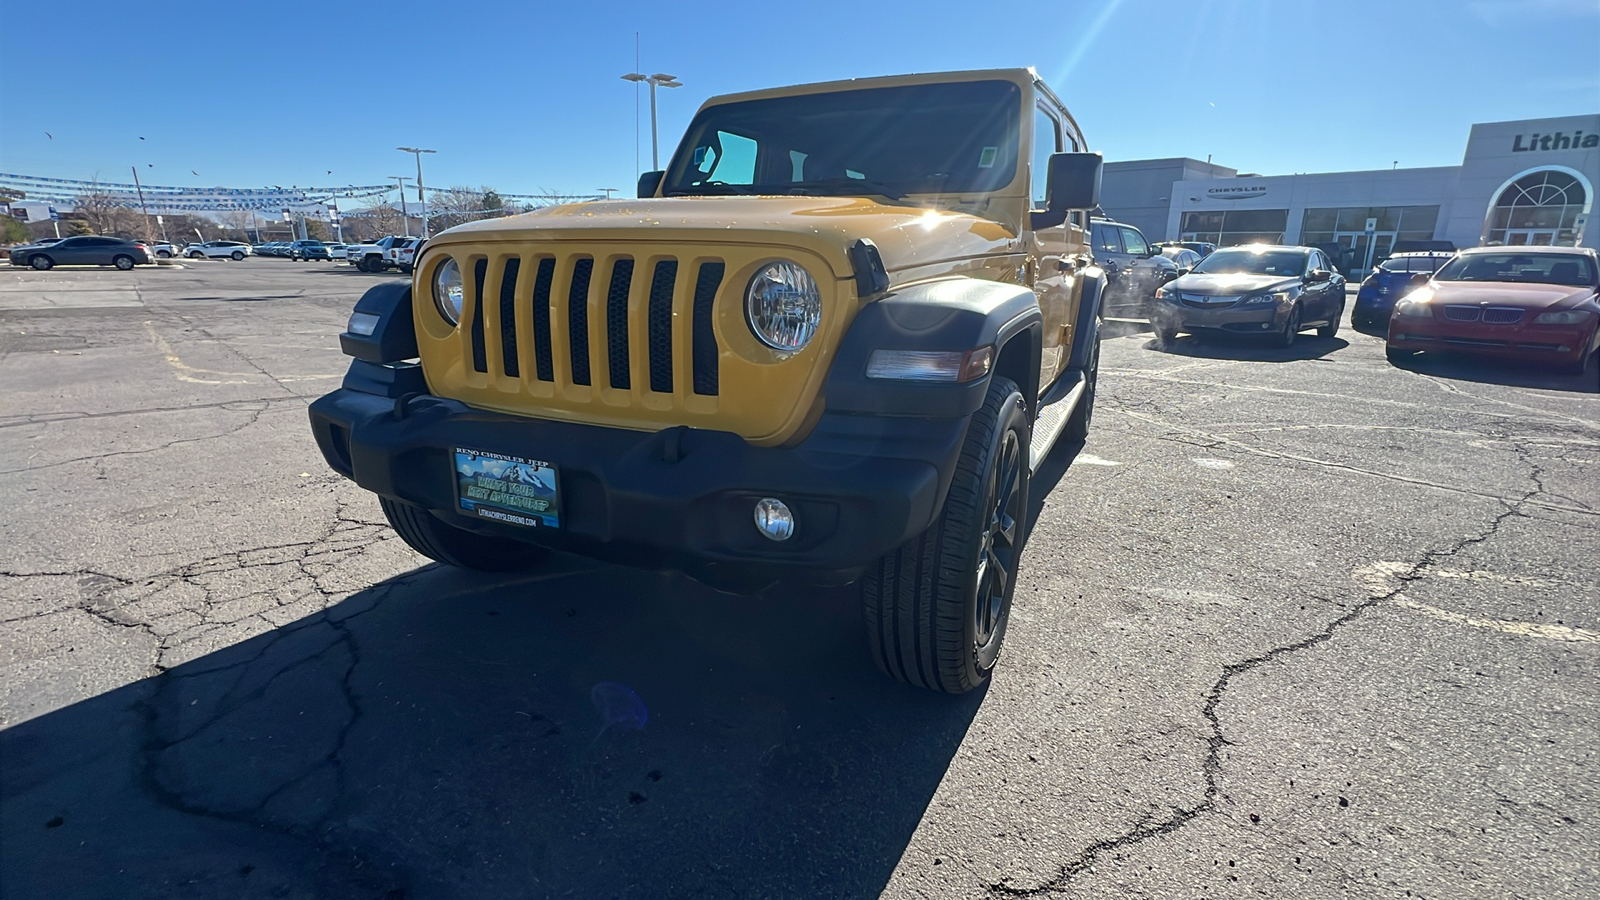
(378, 256)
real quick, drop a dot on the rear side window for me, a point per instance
(1105, 239)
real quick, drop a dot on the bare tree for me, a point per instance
(104, 213)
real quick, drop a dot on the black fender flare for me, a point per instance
(1087, 326)
(386, 309)
(955, 314)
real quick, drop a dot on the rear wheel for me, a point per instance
(40, 261)
(1078, 425)
(123, 262)
(457, 546)
(1332, 328)
(936, 609)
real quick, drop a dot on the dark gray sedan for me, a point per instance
(1257, 289)
(84, 250)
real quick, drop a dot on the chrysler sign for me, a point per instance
(1235, 193)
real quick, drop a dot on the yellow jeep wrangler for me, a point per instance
(828, 343)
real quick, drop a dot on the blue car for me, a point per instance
(1395, 278)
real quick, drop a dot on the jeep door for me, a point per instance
(1055, 254)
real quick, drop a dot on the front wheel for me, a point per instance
(936, 609)
(41, 262)
(1291, 330)
(453, 546)
(238, 255)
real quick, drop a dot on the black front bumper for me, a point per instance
(860, 485)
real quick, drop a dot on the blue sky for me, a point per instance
(527, 97)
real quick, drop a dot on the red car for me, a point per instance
(1533, 304)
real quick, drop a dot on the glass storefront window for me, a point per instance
(1540, 208)
(1227, 228)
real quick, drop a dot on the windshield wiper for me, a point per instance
(710, 188)
(858, 186)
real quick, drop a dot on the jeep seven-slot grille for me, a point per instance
(662, 311)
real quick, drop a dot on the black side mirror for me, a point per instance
(1072, 182)
(1318, 276)
(1420, 277)
(649, 183)
(1184, 270)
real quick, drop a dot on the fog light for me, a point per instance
(363, 324)
(773, 519)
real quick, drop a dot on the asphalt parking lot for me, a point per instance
(1291, 623)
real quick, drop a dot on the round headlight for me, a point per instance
(783, 306)
(449, 292)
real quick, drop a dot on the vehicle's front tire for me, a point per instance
(164, 254)
(936, 609)
(123, 262)
(453, 546)
(1291, 330)
(1397, 356)
(40, 261)
(238, 255)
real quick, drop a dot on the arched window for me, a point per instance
(1540, 208)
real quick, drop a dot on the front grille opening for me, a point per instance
(508, 317)
(707, 281)
(617, 323)
(578, 319)
(542, 364)
(660, 325)
(480, 355)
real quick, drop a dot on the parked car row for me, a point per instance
(1539, 305)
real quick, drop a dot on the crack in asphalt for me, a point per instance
(255, 414)
(54, 418)
(1211, 765)
(1210, 441)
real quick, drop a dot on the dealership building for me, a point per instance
(1529, 182)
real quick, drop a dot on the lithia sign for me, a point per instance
(1575, 141)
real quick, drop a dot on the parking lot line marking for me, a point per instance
(182, 368)
(1567, 633)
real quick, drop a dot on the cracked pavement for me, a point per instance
(1289, 624)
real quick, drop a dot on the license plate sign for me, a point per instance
(505, 488)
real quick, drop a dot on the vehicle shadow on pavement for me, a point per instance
(1463, 367)
(1305, 347)
(596, 732)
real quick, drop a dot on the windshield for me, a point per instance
(1412, 263)
(1532, 268)
(931, 138)
(1254, 262)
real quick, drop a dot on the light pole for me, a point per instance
(655, 81)
(405, 217)
(609, 191)
(421, 200)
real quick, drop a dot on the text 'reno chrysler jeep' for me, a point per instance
(828, 343)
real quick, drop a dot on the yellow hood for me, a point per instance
(908, 237)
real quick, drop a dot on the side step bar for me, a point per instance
(1055, 408)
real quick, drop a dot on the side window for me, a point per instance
(1046, 140)
(1133, 241)
(1105, 239)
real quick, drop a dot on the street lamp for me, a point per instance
(609, 191)
(417, 152)
(655, 81)
(405, 217)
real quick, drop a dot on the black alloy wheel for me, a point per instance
(1078, 425)
(936, 610)
(40, 261)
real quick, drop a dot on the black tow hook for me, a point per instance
(400, 411)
